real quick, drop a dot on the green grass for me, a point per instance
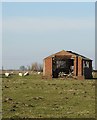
(34, 97)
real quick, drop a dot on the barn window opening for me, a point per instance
(86, 64)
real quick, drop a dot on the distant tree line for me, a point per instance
(33, 67)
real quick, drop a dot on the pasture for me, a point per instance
(34, 97)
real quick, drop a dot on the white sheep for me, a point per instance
(12, 72)
(26, 73)
(7, 74)
(38, 73)
(21, 74)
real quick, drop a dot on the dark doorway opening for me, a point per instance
(63, 65)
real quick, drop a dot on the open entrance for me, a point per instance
(87, 69)
(62, 65)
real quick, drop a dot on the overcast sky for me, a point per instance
(32, 31)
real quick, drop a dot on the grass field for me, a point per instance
(34, 97)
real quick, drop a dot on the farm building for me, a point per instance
(67, 62)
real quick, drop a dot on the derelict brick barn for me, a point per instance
(67, 61)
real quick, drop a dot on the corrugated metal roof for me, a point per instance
(64, 53)
(79, 55)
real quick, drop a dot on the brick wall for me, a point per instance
(75, 66)
(80, 66)
(47, 70)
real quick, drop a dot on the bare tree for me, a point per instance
(34, 66)
(40, 67)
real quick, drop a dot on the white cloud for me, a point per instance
(25, 25)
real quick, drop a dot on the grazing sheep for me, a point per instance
(26, 73)
(7, 74)
(38, 73)
(21, 74)
(12, 72)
